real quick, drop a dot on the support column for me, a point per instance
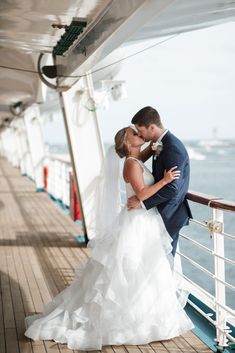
(35, 143)
(1, 145)
(85, 144)
(9, 146)
(15, 160)
(25, 160)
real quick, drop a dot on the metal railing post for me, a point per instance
(220, 294)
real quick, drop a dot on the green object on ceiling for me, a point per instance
(71, 34)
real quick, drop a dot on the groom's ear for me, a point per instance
(152, 127)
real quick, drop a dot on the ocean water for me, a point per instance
(213, 173)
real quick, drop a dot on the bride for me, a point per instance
(126, 292)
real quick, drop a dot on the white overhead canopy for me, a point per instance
(187, 15)
(26, 30)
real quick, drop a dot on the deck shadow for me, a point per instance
(15, 304)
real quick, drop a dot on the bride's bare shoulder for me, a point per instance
(131, 167)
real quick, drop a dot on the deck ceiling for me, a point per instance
(26, 30)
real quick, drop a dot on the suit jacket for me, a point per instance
(171, 199)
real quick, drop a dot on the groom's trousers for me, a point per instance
(174, 242)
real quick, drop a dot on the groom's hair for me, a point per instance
(147, 116)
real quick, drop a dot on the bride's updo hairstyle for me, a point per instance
(120, 142)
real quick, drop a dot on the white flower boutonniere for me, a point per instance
(157, 148)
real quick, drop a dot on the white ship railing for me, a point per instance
(58, 178)
(58, 185)
(224, 315)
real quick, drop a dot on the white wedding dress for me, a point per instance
(124, 295)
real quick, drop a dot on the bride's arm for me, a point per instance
(146, 153)
(133, 174)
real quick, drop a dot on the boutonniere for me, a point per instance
(157, 148)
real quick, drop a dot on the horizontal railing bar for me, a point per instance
(210, 296)
(230, 337)
(224, 258)
(230, 236)
(196, 243)
(225, 332)
(230, 261)
(226, 308)
(197, 265)
(59, 159)
(207, 272)
(192, 220)
(230, 286)
(211, 201)
(210, 319)
(227, 235)
(202, 312)
(201, 198)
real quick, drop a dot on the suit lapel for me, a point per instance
(165, 137)
(157, 162)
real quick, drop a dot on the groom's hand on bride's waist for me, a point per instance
(133, 202)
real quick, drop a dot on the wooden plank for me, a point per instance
(34, 290)
(18, 309)
(38, 347)
(195, 342)
(64, 349)
(132, 349)
(11, 223)
(26, 345)
(12, 345)
(2, 338)
(27, 300)
(19, 313)
(119, 349)
(158, 347)
(107, 349)
(63, 265)
(183, 345)
(145, 348)
(171, 346)
(8, 314)
(51, 347)
(37, 272)
(2, 342)
(14, 284)
(3, 270)
(38, 259)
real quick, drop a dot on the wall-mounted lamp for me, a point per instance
(16, 108)
(50, 71)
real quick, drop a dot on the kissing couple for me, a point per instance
(126, 293)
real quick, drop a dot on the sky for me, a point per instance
(189, 79)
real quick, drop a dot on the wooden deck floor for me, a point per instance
(38, 256)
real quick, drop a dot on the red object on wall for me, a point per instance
(45, 176)
(74, 204)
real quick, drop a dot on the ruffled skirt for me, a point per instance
(124, 295)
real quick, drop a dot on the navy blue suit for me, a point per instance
(171, 199)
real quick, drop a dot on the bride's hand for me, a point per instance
(133, 202)
(171, 175)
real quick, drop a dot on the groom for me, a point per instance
(168, 151)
